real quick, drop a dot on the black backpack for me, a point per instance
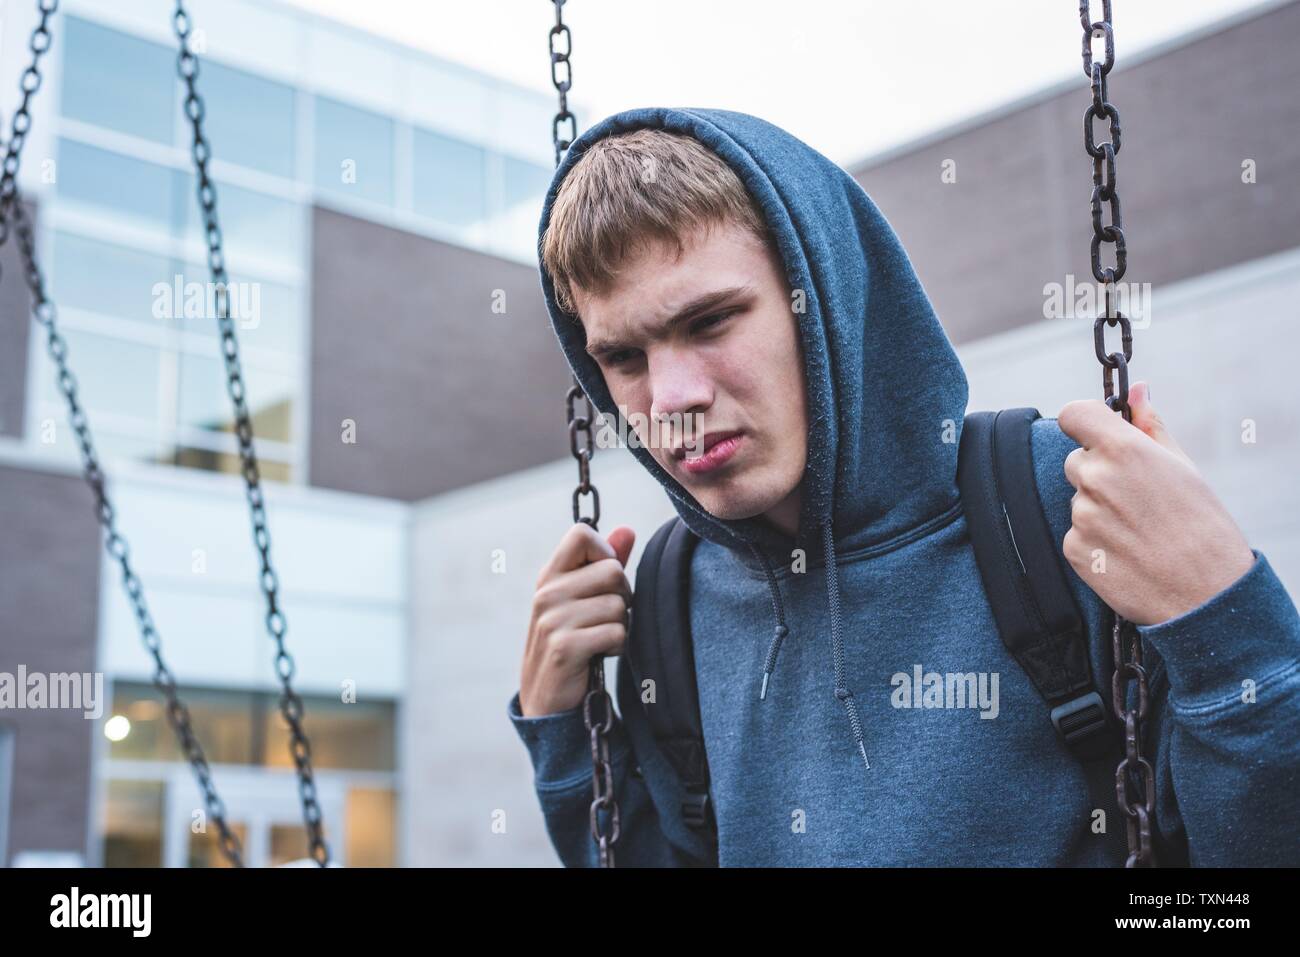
(1023, 577)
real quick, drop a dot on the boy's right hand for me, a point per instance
(579, 611)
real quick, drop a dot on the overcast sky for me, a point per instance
(850, 77)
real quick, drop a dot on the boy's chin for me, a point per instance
(729, 510)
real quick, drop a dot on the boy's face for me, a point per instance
(707, 345)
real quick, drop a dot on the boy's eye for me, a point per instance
(708, 322)
(624, 356)
(619, 358)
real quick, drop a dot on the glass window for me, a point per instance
(112, 280)
(449, 179)
(267, 314)
(271, 316)
(205, 402)
(223, 721)
(205, 847)
(113, 376)
(288, 843)
(359, 735)
(133, 824)
(247, 119)
(245, 727)
(144, 192)
(524, 182)
(254, 225)
(354, 152)
(118, 81)
(372, 827)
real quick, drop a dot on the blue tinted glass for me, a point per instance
(449, 179)
(203, 400)
(114, 377)
(267, 314)
(108, 279)
(118, 81)
(205, 404)
(525, 182)
(261, 223)
(354, 152)
(142, 191)
(253, 224)
(276, 321)
(248, 120)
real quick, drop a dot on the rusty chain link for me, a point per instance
(1134, 777)
(46, 314)
(291, 706)
(597, 707)
(29, 82)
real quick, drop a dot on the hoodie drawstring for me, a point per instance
(778, 611)
(842, 694)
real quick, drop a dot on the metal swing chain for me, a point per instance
(291, 706)
(1134, 777)
(45, 313)
(580, 419)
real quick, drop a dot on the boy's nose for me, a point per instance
(678, 386)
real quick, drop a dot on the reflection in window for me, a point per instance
(118, 81)
(449, 179)
(288, 843)
(248, 120)
(205, 847)
(359, 735)
(113, 376)
(354, 152)
(133, 824)
(245, 727)
(205, 401)
(108, 279)
(372, 827)
(223, 721)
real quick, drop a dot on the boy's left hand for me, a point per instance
(1147, 534)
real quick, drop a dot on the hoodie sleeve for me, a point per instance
(560, 749)
(1225, 730)
(1223, 702)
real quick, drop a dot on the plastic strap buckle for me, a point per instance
(696, 810)
(1082, 724)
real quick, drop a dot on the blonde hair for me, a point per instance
(630, 190)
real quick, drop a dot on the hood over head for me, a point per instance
(886, 395)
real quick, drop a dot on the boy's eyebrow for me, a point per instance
(598, 348)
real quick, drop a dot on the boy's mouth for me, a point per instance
(718, 447)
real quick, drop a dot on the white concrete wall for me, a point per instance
(342, 571)
(1219, 349)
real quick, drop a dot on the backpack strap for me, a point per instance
(659, 649)
(1020, 566)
